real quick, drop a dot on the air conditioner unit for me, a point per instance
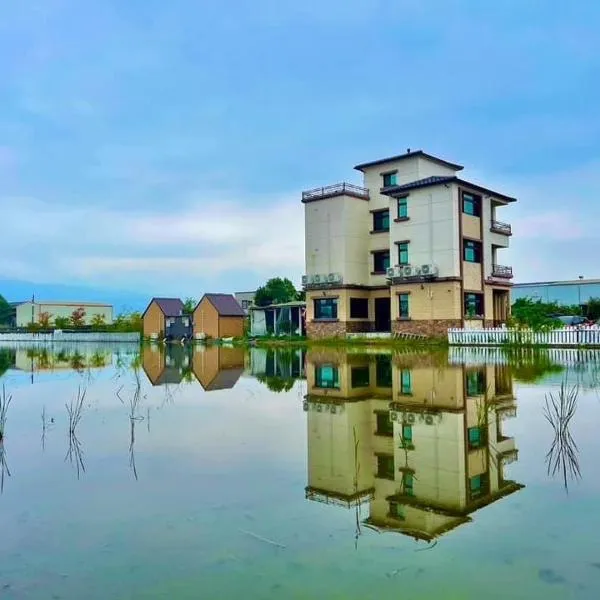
(391, 272)
(429, 270)
(333, 409)
(410, 418)
(416, 271)
(337, 277)
(407, 271)
(331, 278)
(319, 408)
(393, 415)
(304, 279)
(429, 420)
(316, 279)
(305, 406)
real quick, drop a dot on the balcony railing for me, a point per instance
(500, 227)
(337, 189)
(502, 271)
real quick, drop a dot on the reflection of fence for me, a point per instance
(478, 355)
(569, 336)
(121, 337)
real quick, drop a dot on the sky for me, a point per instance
(162, 147)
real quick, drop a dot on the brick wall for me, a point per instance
(433, 328)
(325, 329)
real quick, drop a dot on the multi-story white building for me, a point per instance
(416, 249)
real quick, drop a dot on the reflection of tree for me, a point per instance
(531, 364)
(98, 359)
(276, 383)
(563, 454)
(134, 402)
(77, 362)
(7, 360)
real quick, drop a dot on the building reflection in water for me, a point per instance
(214, 367)
(422, 444)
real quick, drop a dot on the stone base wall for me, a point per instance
(322, 329)
(431, 328)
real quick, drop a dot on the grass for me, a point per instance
(5, 401)
(75, 412)
(559, 410)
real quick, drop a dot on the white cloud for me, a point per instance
(138, 249)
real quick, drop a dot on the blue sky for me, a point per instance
(161, 147)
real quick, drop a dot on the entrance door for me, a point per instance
(383, 319)
(500, 299)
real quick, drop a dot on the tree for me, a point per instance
(78, 317)
(6, 311)
(62, 322)
(44, 319)
(538, 315)
(593, 309)
(189, 305)
(275, 291)
(98, 321)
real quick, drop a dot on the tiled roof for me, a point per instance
(439, 180)
(171, 307)
(409, 154)
(226, 305)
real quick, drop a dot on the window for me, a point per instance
(403, 253)
(325, 308)
(397, 511)
(327, 377)
(170, 322)
(474, 305)
(381, 261)
(384, 424)
(359, 308)
(381, 220)
(385, 466)
(403, 208)
(383, 371)
(403, 302)
(475, 382)
(405, 382)
(472, 251)
(359, 377)
(478, 485)
(185, 321)
(471, 205)
(389, 179)
(408, 481)
(407, 436)
(245, 304)
(476, 437)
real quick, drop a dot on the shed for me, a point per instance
(218, 316)
(278, 319)
(165, 365)
(165, 318)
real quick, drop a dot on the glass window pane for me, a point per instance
(405, 381)
(404, 308)
(402, 208)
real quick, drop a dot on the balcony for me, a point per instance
(338, 189)
(502, 271)
(500, 227)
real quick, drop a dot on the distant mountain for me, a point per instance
(123, 301)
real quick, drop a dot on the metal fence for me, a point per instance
(97, 336)
(568, 336)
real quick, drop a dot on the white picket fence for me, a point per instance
(568, 336)
(83, 336)
(495, 355)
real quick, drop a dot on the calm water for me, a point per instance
(319, 474)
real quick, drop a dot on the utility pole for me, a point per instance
(579, 292)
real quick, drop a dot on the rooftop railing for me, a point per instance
(338, 189)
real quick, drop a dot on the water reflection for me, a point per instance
(418, 445)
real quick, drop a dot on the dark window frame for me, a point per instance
(403, 249)
(318, 303)
(476, 247)
(389, 179)
(404, 306)
(360, 377)
(359, 308)
(335, 380)
(380, 255)
(381, 221)
(471, 204)
(404, 203)
(476, 300)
